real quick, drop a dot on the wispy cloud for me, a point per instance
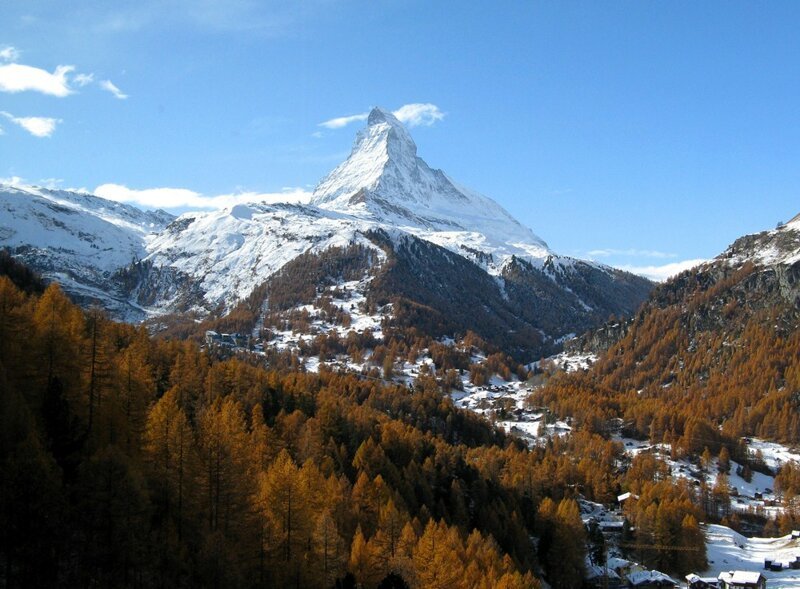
(176, 198)
(51, 183)
(109, 86)
(419, 114)
(663, 272)
(15, 77)
(340, 122)
(413, 115)
(8, 53)
(630, 252)
(36, 126)
(83, 79)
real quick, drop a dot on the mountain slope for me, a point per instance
(713, 355)
(76, 238)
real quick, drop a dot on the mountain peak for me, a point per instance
(378, 115)
(386, 132)
(384, 181)
(383, 147)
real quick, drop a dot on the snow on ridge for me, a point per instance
(117, 213)
(85, 241)
(231, 251)
(779, 246)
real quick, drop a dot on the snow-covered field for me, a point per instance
(728, 551)
(774, 455)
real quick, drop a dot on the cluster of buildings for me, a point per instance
(233, 341)
(623, 574)
(619, 573)
(728, 580)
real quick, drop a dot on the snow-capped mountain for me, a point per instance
(384, 181)
(454, 256)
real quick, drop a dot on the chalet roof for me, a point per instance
(618, 563)
(741, 577)
(693, 578)
(595, 571)
(641, 577)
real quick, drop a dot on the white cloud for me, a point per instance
(661, 273)
(83, 79)
(109, 86)
(49, 183)
(36, 126)
(340, 122)
(417, 114)
(15, 77)
(20, 78)
(173, 198)
(631, 252)
(9, 53)
(412, 115)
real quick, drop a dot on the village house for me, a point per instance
(742, 580)
(624, 567)
(598, 577)
(625, 496)
(651, 580)
(696, 582)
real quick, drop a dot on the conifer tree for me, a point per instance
(328, 550)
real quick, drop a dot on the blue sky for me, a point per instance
(635, 133)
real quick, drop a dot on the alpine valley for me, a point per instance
(401, 244)
(383, 388)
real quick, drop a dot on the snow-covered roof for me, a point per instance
(740, 577)
(693, 578)
(650, 577)
(595, 571)
(626, 496)
(618, 563)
